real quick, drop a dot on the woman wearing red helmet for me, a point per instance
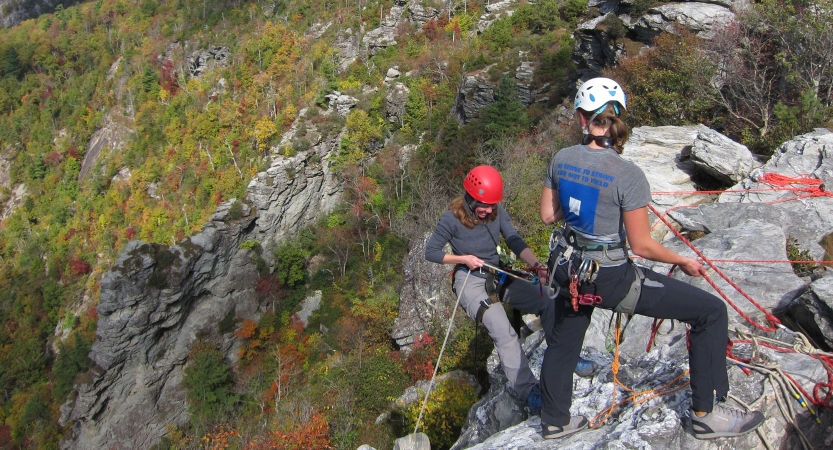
(473, 226)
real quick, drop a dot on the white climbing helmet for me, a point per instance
(595, 93)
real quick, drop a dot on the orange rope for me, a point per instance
(637, 397)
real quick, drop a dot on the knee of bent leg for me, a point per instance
(717, 311)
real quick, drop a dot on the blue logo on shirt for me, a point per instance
(579, 203)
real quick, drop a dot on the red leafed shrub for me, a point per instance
(72, 152)
(78, 266)
(168, 79)
(313, 435)
(53, 159)
(420, 362)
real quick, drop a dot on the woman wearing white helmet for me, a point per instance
(602, 199)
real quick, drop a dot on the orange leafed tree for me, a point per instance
(312, 435)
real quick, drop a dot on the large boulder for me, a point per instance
(699, 18)
(722, 158)
(813, 312)
(425, 298)
(476, 92)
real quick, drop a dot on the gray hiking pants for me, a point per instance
(521, 295)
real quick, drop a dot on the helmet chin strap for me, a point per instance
(469, 202)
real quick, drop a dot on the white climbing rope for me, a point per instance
(442, 349)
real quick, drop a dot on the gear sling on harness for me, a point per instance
(582, 268)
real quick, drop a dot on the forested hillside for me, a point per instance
(195, 97)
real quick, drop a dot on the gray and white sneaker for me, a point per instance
(725, 421)
(577, 423)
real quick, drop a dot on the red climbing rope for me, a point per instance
(803, 187)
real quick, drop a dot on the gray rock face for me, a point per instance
(475, 93)
(293, 192)
(204, 60)
(810, 155)
(722, 158)
(385, 36)
(699, 18)
(154, 304)
(595, 49)
(421, 14)
(395, 101)
(308, 307)
(814, 312)
(341, 103)
(425, 296)
(494, 11)
(112, 135)
(347, 44)
(15, 12)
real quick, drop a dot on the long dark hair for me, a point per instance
(466, 215)
(617, 130)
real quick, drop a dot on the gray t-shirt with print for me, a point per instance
(594, 187)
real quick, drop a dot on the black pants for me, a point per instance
(662, 297)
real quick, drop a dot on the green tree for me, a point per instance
(208, 381)
(292, 260)
(72, 359)
(507, 115)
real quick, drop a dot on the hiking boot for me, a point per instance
(577, 423)
(586, 368)
(724, 421)
(534, 400)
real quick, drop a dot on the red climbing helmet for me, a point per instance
(484, 184)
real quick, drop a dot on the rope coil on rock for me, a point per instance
(636, 397)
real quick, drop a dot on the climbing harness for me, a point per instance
(582, 268)
(497, 281)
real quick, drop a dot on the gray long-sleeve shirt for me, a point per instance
(481, 241)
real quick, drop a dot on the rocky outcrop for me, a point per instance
(395, 101)
(722, 158)
(525, 75)
(699, 18)
(112, 135)
(294, 191)
(738, 228)
(494, 11)
(420, 14)
(340, 103)
(385, 36)
(15, 12)
(205, 60)
(155, 303)
(425, 297)
(347, 46)
(474, 93)
(614, 31)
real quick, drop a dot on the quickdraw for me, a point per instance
(587, 272)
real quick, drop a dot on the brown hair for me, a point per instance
(466, 216)
(617, 130)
